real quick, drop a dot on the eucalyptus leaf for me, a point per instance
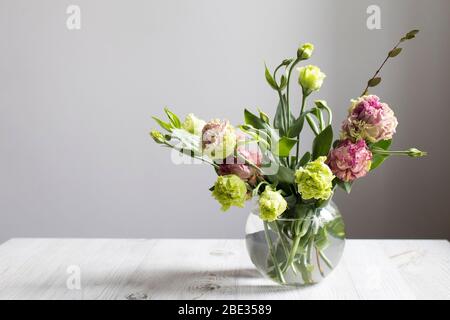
(411, 34)
(322, 143)
(395, 52)
(374, 82)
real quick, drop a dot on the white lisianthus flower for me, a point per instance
(193, 125)
(218, 139)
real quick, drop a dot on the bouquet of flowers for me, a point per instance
(295, 234)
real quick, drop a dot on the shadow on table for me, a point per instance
(192, 284)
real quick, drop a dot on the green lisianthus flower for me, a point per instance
(310, 78)
(315, 180)
(157, 136)
(271, 204)
(230, 190)
(305, 51)
(193, 125)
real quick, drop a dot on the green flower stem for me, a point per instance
(297, 152)
(289, 81)
(272, 254)
(191, 154)
(412, 152)
(309, 250)
(285, 119)
(320, 116)
(312, 124)
(294, 249)
(306, 274)
(379, 69)
(330, 114)
(318, 262)
(284, 242)
(247, 162)
(325, 259)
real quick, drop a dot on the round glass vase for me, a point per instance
(296, 251)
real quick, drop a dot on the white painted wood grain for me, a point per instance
(214, 269)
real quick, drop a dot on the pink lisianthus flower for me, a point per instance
(350, 161)
(369, 119)
(238, 166)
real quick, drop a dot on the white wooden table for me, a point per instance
(212, 269)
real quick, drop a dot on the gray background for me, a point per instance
(75, 107)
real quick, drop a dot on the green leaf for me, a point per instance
(322, 104)
(321, 239)
(322, 143)
(263, 116)
(278, 119)
(253, 120)
(283, 82)
(163, 124)
(378, 159)
(284, 176)
(345, 185)
(287, 62)
(301, 210)
(336, 143)
(270, 80)
(336, 228)
(304, 160)
(291, 200)
(173, 118)
(284, 146)
(297, 125)
(374, 81)
(394, 52)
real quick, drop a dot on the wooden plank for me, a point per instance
(424, 264)
(213, 269)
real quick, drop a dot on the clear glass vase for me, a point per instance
(299, 251)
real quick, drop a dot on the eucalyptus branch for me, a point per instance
(395, 51)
